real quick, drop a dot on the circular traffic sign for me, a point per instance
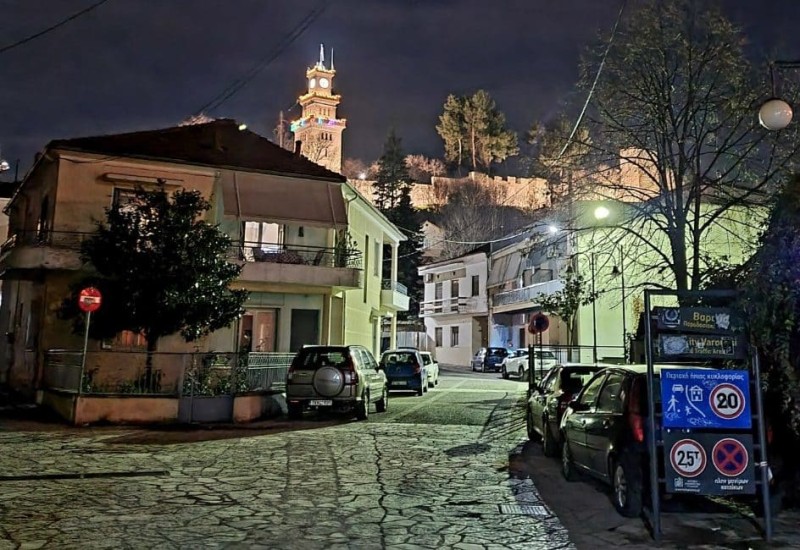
(89, 299)
(727, 401)
(729, 457)
(688, 458)
(538, 323)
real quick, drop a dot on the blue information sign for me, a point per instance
(705, 398)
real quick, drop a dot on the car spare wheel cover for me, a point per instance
(328, 381)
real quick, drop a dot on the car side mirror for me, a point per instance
(577, 406)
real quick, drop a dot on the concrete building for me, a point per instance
(309, 246)
(455, 307)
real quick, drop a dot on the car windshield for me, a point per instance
(574, 378)
(545, 355)
(314, 358)
(498, 352)
(399, 358)
(426, 359)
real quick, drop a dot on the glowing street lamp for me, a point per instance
(776, 114)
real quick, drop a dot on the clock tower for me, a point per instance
(318, 130)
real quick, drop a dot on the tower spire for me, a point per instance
(332, 60)
(321, 63)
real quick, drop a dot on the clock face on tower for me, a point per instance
(323, 82)
(312, 83)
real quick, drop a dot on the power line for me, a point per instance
(286, 41)
(53, 27)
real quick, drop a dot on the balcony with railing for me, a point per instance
(461, 305)
(525, 297)
(42, 250)
(394, 296)
(309, 266)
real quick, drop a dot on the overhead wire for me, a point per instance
(51, 28)
(287, 40)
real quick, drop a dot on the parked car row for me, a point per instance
(512, 362)
(349, 378)
(595, 417)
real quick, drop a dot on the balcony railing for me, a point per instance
(387, 284)
(445, 306)
(70, 240)
(247, 251)
(296, 254)
(527, 294)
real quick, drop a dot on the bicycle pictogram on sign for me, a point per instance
(688, 458)
(730, 457)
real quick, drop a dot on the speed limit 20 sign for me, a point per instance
(705, 398)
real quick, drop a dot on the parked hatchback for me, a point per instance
(431, 368)
(335, 378)
(604, 433)
(489, 359)
(549, 400)
(405, 370)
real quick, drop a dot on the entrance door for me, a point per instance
(259, 330)
(305, 328)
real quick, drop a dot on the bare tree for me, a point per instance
(675, 138)
(422, 168)
(317, 149)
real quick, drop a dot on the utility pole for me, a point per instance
(281, 135)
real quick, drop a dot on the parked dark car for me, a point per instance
(549, 400)
(405, 370)
(335, 378)
(489, 359)
(604, 433)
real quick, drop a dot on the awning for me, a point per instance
(504, 269)
(269, 198)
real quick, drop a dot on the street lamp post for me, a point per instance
(594, 310)
(621, 272)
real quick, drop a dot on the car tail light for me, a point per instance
(635, 414)
(350, 374)
(417, 367)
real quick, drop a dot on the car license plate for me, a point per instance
(399, 383)
(321, 402)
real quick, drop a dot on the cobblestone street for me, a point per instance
(352, 485)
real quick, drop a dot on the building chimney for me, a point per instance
(298, 145)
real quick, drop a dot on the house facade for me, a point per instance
(522, 269)
(305, 248)
(455, 308)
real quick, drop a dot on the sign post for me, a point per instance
(538, 324)
(712, 419)
(89, 300)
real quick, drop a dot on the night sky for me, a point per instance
(141, 64)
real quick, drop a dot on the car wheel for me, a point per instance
(567, 465)
(362, 407)
(483, 367)
(430, 382)
(627, 486)
(521, 373)
(295, 411)
(437, 380)
(549, 443)
(505, 373)
(421, 389)
(383, 402)
(533, 435)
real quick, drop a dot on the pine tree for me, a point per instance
(393, 198)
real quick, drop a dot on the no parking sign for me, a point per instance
(709, 464)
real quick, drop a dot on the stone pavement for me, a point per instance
(351, 485)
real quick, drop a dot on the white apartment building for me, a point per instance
(455, 306)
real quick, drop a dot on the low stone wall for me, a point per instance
(115, 409)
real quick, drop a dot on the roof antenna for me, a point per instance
(321, 63)
(332, 59)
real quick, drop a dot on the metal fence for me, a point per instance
(280, 253)
(172, 374)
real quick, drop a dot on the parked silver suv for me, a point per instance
(335, 378)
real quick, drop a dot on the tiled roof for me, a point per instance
(217, 143)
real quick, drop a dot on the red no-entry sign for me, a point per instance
(89, 299)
